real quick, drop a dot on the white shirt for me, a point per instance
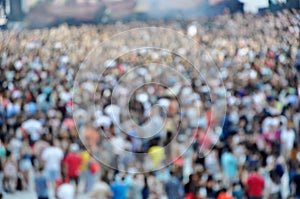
(114, 112)
(287, 138)
(101, 190)
(272, 187)
(52, 157)
(33, 128)
(66, 191)
(15, 146)
(118, 144)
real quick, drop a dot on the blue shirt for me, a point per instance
(173, 188)
(229, 164)
(119, 190)
(41, 185)
(31, 108)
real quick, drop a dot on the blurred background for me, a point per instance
(42, 13)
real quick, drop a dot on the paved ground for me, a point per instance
(30, 194)
(21, 195)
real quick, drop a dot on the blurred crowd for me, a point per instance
(161, 115)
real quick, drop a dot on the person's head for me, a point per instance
(274, 176)
(8, 154)
(51, 142)
(102, 178)
(223, 190)
(254, 168)
(40, 168)
(290, 125)
(74, 148)
(191, 177)
(44, 137)
(172, 173)
(228, 149)
(123, 179)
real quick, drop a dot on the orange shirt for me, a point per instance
(224, 195)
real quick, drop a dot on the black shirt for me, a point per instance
(296, 180)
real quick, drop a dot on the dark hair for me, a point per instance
(191, 177)
(172, 173)
(51, 142)
(274, 176)
(145, 181)
(254, 168)
(103, 178)
(8, 153)
(40, 168)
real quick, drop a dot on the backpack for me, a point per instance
(10, 169)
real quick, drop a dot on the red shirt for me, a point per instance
(73, 161)
(255, 184)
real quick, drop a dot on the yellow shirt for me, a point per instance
(85, 157)
(157, 154)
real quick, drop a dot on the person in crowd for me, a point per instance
(273, 185)
(10, 173)
(191, 188)
(146, 189)
(52, 157)
(92, 174)
(173, 187)
(14, 146)
(40, 182)
(101, 190)
(223, 194)
(255, 184)
(120, 189)
(259, 71)
(136, 188)
(66, 190)
(296, 184)
(72, 162)
(39, 148)
(238, 190)
(84, 168)
(287, 138)
(63, 178)
(229, 165)
(25, 163)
